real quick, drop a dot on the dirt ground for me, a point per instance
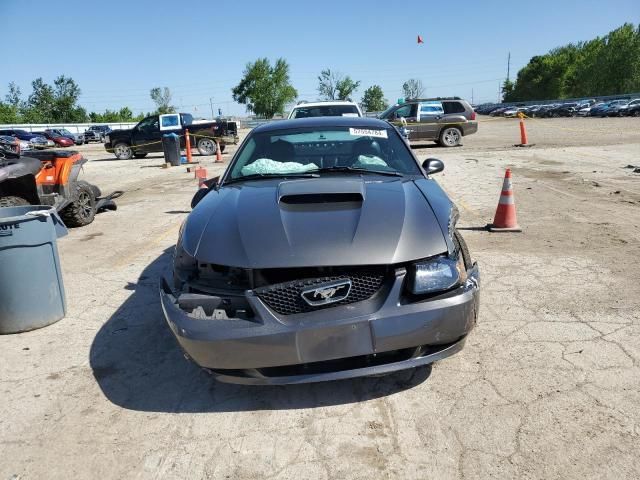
(548, 385)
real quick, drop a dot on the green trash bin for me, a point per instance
(31, 288)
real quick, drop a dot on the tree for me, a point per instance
(66, 93)
(412, 88)
(14, 97)
(335, 86)
(327, 84)
(507, 90)
(40, 104)
(603, 66)
(162, 99)
(373, 99)
(265, 89)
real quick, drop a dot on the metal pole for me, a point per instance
(508, 65)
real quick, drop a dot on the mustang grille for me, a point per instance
(286, 298)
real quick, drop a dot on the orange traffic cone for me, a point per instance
(218, 153)
(505, 219)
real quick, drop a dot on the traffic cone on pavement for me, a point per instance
(218, 153)
(505, 219)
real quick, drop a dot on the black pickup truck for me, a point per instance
(146, 136)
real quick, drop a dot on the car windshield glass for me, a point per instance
(328, 149)
(326, 111)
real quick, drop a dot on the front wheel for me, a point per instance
(122, 151)
(450, 137)
(83, 209)
(206, 146)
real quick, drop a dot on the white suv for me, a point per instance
(331, 108)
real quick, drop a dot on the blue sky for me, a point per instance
(118, 50)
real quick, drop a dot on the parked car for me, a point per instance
(78, 138)
(633, 110)
(325, 251)
(35, 140)
(620, 109)
(96, 133)
(333, 108)
(513, 112)
(10, 147)
(564, 110)
(58, 140)
(443, 120)
(605, 108)
(146, 136)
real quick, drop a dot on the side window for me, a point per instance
(150, 123)
(453, 107)
(431, 109)
(406, 111)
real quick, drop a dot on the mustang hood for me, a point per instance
(314, 222)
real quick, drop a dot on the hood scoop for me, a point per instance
(320, 191)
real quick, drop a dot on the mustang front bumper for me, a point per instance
(329, 344)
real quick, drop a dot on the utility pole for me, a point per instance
(472, 96)
(211, 104)
(508, 65)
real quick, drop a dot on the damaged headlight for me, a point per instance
(436, 275)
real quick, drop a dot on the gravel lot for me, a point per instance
(546, 387)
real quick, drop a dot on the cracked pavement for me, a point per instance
(546, 387)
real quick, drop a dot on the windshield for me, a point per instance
(300, 151)
(326, 111)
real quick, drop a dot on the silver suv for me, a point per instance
(444, 120)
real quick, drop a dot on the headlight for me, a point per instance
(436, 275)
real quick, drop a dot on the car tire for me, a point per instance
(206, 146)
(140, 155)
(12, 201)
(82, 210)
(122, 151)
(222, 146)
(463, 248)
(450, 137)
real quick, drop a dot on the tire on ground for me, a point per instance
(450, 137)
(82, 211)
(122, 151)
(12, 201)
(206, 146)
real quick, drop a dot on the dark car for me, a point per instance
(443, 120)
(564, 110)
(325, 251)
(146, 136)
(34, 139)
(78, 138)
(620, 109)
(633, 110)
(96, 133)
(59, 140)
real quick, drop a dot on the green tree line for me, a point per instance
(606, 65)
(58, 103)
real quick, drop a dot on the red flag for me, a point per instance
(420, 40)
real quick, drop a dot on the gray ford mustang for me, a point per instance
(325, 251)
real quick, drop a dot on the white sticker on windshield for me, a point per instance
(365, 132)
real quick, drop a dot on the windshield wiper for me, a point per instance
(257, 176)
(390, 173)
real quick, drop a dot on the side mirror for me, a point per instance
(432, 165)
(211, 184)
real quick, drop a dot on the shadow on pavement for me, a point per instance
(139, 366)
